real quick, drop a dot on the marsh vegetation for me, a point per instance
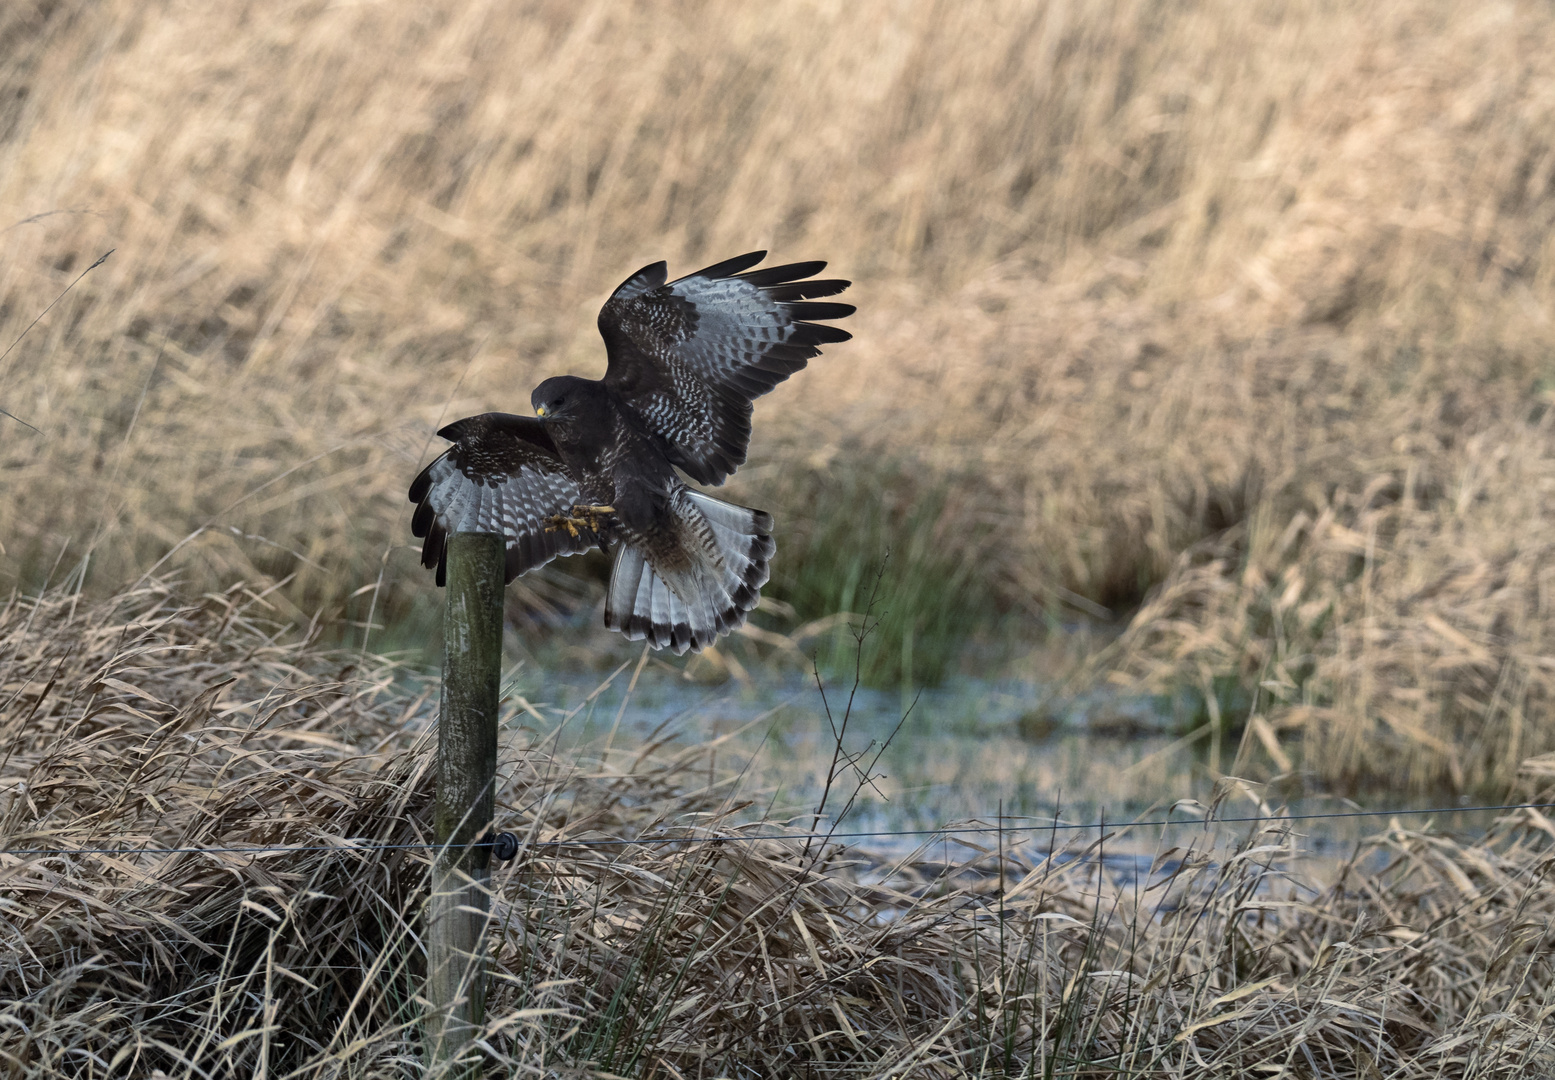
(659, 921)
(1202, 371)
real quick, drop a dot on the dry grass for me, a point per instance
(144, 723)
(1129, 276)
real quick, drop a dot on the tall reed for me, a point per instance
(1131, 278)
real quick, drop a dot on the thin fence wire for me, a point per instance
(345, 846)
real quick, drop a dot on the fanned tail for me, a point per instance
(729, 551)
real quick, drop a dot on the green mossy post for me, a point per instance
(466, 780)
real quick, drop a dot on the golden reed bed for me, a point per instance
(1239, 312)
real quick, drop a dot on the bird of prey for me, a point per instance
(596, 466)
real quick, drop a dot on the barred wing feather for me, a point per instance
(690, 356)
(502, 475)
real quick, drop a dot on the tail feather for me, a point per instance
(730, 550)
(627, 579)
(659, 616)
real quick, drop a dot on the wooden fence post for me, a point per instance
(466, 780)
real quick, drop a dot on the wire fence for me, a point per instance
(349, 846)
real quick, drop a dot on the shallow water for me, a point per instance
(952, 755)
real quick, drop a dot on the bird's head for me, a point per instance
(557, 399)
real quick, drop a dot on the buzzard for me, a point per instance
(596, 466)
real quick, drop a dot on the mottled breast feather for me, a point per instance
(689, 357)
(502, 475)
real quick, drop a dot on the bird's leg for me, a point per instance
(594, 515)
(579, 518)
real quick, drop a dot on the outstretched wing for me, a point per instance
(502, 475)
(692, 355)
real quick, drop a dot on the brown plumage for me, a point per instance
(597, 466)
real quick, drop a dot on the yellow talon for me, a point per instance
(593, 514)
(581, 517)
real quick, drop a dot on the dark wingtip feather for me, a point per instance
(730, 267)
(422, 483)
(422, 519)
(818, 334)
(432, 550)
(778, 275)
(819, 311)
(806, 290)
